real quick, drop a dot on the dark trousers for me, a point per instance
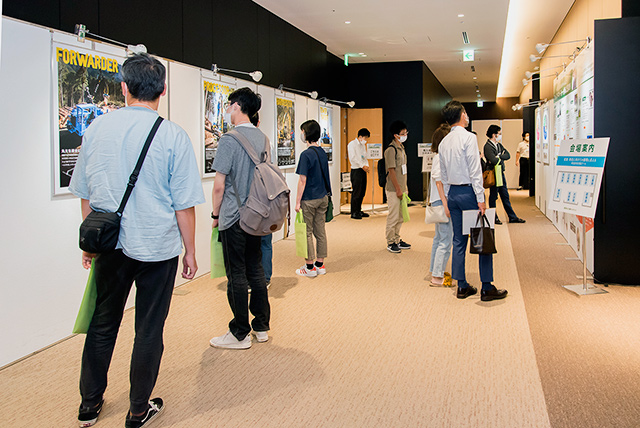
(359, 186)
(462, 198)
(243, 262)
(115, 273)
(504, 197)
(524, 173)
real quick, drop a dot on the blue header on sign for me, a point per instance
(587, 161)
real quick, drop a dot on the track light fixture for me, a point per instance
(255, 75)
(312, 94)
(541, 47)
(529, 104)
(525, 81)
(529, 74)
(347, 103)
(81, 32)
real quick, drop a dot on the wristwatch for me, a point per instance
(215, 217)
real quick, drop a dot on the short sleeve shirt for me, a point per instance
(310, 163)
(169, 179)
(396, 159)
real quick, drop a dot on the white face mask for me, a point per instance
(499, 138)
(526, 138)
(302, 136)
(403, 138)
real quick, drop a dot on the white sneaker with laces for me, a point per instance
(228, 341)
(304, 271)
(261, 336)
(321, 270)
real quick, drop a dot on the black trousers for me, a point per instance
(115, 273)
(243, 263)
(504, 196)
(359, 186)
(524, 173)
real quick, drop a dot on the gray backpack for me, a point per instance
(267, 205)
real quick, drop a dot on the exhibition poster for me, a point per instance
(326, 140)
(545, 135)
(578, 175)
(215, 96)
(538, 135)
(87, 85)
(285, 129)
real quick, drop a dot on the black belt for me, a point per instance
(462, 185)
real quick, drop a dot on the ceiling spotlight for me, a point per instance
(347, 22)
(461, 15)
(474, 77)
(312, 94)
(348, 103)
(529, 74)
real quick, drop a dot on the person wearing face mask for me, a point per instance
(314, 189)
(395, 160)
(495, 153)
(522, 160)
(359, 168)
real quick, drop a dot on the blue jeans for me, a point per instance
(441, 248)
(267, 256)
(462, 198)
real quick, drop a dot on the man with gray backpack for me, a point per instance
(250, 200)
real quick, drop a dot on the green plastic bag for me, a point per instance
(499, 182)
(301, 236)
(217, 258)
(404, 207)
(88, 305)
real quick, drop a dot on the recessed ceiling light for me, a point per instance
(461, 15)
(474, 77)
(479, 96)
(477, 90)
(361, 53)
(347, 22)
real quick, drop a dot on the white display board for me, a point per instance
(578, 176)
(374, 151)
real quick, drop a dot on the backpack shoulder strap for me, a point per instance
(246, 145)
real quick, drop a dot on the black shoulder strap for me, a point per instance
(396, 154)
(136, 171)
(324, 177)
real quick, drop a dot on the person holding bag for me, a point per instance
(496, 154)
(314, 193)
(443, 239)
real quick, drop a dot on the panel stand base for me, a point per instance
(582, 291)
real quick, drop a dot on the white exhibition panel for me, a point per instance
(44, 280)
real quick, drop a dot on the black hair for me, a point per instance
(255, 119)
(493, 129)
(524, 133)
(438, 136)
(397, 127)
(249, 101)
(144, 76)
(364, 132)
(311, 130)
(452, 112)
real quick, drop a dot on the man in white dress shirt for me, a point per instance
(461, 176)
(522, 160)
(359, 168)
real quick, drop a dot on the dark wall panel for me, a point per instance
(198, 33)
(234, 47)
(42, 12)
(434, 97)
(616, 89)
(500, 109)
(85, 12)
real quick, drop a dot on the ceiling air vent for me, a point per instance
(465, 38)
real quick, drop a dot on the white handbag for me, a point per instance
(435, 215)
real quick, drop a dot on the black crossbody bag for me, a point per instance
(99, 231)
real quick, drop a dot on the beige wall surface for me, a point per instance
(577, 25)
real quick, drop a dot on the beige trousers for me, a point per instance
(394, 219)
(314, 212)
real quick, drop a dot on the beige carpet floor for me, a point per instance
(369, 344)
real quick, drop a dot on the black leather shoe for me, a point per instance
(495, 294)
(363, 214)
(498, 221)
(357, 216)
(518, 220)
(463, 293)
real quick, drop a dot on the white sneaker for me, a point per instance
(261, 336)
(228, 341)
(321, 270)
(303, 271)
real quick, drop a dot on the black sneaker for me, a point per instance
(403, 245)
(88, 416)
(363, 214)
(498, 221)
(155, 407)
(393, 248)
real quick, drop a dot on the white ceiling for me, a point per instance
(431, 31)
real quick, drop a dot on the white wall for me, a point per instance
(43, 279)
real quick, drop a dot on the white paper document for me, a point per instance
(470, 217)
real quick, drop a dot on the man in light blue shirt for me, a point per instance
(461, 175)
(158, 217)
